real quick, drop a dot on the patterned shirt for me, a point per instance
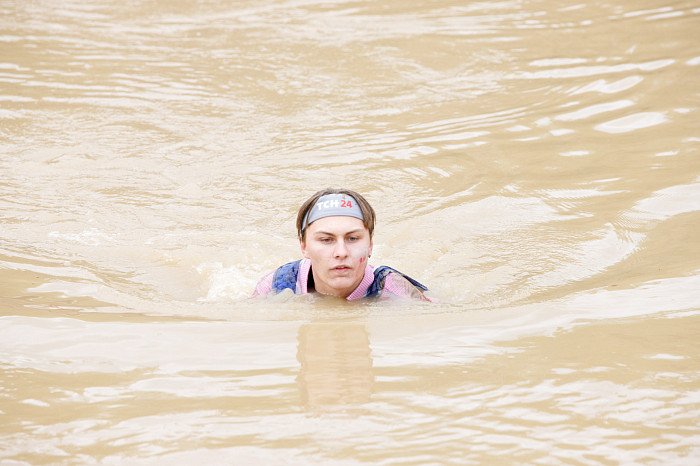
(395, 284)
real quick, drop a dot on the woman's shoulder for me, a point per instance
(398, 284)
(285, 276)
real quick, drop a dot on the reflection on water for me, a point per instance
(336, 365)
(534, 162)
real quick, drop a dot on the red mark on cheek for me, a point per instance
(362, 259)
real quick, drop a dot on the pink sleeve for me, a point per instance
(397, 285)
(264, 286)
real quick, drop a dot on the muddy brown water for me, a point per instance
(536, 163)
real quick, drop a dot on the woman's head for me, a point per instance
(335, 229)
(360, 209)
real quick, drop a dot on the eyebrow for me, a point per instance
(327, 233)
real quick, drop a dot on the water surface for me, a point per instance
(536, 163)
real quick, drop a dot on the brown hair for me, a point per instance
(367, 210)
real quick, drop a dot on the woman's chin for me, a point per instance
(340, 286)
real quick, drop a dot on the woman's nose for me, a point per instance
(341, 249)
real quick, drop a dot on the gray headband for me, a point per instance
(331, 205)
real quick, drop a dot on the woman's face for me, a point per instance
(338, 248)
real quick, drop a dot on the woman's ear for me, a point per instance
(302, 245)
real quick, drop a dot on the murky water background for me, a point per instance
(536, 163)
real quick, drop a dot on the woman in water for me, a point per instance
(335, 228)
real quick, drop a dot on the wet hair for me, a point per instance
(365, 207)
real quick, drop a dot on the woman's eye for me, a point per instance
(325, 240)
(353, 238)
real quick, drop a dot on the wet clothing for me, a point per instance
(378, 281)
